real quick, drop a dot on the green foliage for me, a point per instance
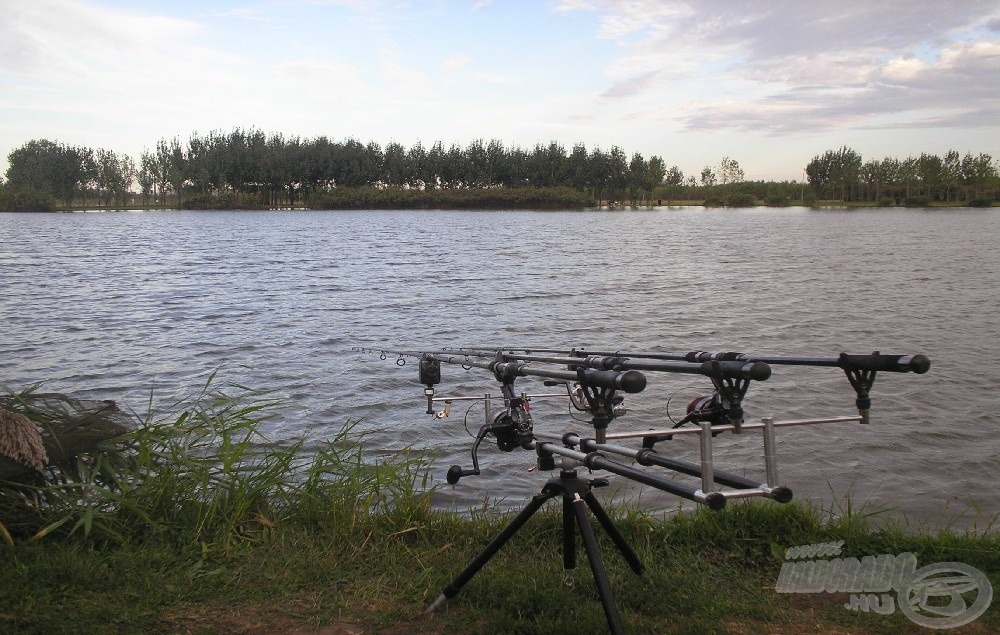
(918, 181)
(917, 201)
(227, 200)
(466, 198)
(47, 168)
(24, 201)
(206, 476)
(731, 199)
(705, 572)
(253, 169)
(270, 170)
(741, 199)
(719, 195)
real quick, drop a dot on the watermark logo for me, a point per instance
(944, 595)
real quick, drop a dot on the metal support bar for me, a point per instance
(717, 429)
(770, 457)
(707, 469)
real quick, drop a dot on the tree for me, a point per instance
(417, 166)
(730, 171)
(578, 168)
(478, 172)
(113, 176)
(674, 176)
(707, 176)
(636, 177)
(835, 173)
(49, 168)
(617, 172)
(498, 166)
(977, 173)
(953, 173)
(931, 173)
(147, 176)
(170, 167)
(656, 171)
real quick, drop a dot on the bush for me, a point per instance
(917, 201)
(980, 202)
(452, 198)
(741, 200)
(887, 201)
(11, 201)
(778, 200)
(228, 200)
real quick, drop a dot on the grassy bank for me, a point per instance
(194, 523)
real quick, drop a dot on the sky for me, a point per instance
(768, 83)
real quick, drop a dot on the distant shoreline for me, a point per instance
(601, 207)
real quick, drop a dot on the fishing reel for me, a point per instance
(578, 399)
(706, 408)
(512, 428)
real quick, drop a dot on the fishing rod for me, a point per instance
(731, 378)
(598, 382)
(505, 369)
(860, 370)
(918, 364)
(513, 426)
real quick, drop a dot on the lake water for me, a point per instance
(127, 305)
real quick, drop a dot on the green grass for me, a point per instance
(198, 524)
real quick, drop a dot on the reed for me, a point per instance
(205, 475)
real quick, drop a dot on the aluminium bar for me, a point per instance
(649, 457)
(717, 429)
(596, 460)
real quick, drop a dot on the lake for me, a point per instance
(138, 305)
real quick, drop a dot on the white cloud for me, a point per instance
(782, 67)
(456, 62)
(70, 41)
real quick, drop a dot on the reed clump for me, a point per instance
(205, 475)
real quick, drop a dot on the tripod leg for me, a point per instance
(569, 535)
(609, 526)
(597, 566)
(491, 549)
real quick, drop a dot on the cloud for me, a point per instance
(67, 41)
(456, 62)
(948, 91)
(780, 67)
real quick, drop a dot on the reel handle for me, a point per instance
(455, 472)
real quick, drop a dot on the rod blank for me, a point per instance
(918, 364)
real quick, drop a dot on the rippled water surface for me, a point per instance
(124, 305)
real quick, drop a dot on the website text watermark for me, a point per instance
(943, 595)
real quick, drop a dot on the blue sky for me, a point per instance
(769, 83)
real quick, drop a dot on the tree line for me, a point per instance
(843, 175)
(249, 168)
(255, 168)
